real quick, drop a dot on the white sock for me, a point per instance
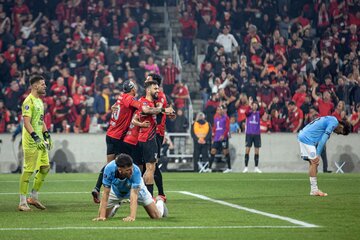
(313, 184)
(22, 199)
(160, 206)
(34, 194)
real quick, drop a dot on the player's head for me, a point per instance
(152, 89)
(154, 77)
(129, 87)
(125, 165)
(38, 85)
(221, 109)
(343, 128)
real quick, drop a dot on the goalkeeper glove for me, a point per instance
(39, 143)
(47, 139)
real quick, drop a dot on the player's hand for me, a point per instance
(169, 111)
(145, 124)
(315, 161)
(129, 219)
(97, 219)
(40, 144)
(48, 141)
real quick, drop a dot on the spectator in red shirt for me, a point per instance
(355, 119)
(4, 117)
(242, 105)
(79, 98)
(180, 94)
(266, 92)
(188, 30)
(47, 117)
(328, 85)
(277, 123)
(82, 123)
(265, 123)
(325, 104)
(295, 118)
(146, 40)
(170, 72)
(339, 112)
(71, 114)
(282, 91)
(10, 54)
(300, 95)
(59, 114)
(58, 88)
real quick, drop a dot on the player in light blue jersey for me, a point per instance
(312, 139)
(122, 180)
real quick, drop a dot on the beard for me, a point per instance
(155, 96)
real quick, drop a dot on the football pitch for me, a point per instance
(201, 206)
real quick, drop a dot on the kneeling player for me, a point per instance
(122, 180)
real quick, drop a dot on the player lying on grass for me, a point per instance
(312, 139)
(122, 180)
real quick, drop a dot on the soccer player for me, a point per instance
(162, 102)
(121, 117)
(147, 136)
(220, 133)
(36, 142)
(252, 131)
(122, 180)
(312, 139)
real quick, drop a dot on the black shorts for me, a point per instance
(252, 138)
(149, 151)
(134, 152)
(113, 146)
(159, 141)
(221, 145)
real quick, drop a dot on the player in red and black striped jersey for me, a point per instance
(161, 101)
(147, 136)
(123, 111)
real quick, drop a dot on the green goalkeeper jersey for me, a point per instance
(34, 108)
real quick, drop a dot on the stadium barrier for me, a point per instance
(279, 153)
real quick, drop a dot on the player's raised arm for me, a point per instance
(134, 195)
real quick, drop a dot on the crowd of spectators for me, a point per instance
(85, 50)
(297, 59)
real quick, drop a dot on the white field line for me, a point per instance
(190, 180)
(144, 228)
(291, 220)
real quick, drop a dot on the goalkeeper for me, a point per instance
(36, 143)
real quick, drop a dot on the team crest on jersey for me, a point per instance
(27, 107)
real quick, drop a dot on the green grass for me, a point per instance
(338, 215)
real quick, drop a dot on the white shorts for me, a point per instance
(144, 198)
(308, 152)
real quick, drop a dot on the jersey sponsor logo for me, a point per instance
(27, 107)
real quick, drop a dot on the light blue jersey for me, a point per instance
(122, 187)
(318, 132)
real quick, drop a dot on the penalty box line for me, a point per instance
(291, 220)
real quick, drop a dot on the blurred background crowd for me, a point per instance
(297, 59)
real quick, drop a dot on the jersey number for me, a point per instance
(316, 119)
(116, 113)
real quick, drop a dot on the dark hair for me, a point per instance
(149, 84)
(155, 77)
(123, 161)
(346, 127)
(35, 79)
(292, 103)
